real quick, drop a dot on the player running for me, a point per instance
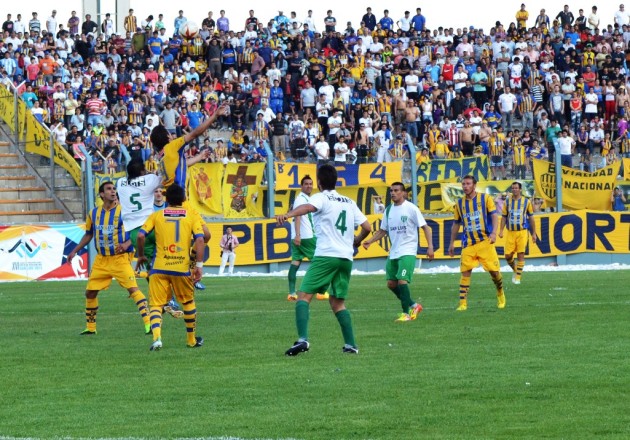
(401, 221)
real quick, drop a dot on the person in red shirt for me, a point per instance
(32, 70)
(448, 70)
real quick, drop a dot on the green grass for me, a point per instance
(553, 364)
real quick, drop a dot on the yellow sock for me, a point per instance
(190, 318)
(464, 285)
(141, 303)
(519, 269)
(510, 261)
(156, 322)
(91, 307)
(498, 282)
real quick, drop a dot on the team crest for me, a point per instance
(403, 218)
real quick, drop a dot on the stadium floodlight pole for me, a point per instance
(89, 191)
(271, 184)
(414, 173)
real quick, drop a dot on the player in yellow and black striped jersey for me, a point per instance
(174, 228)
(518, 215)
(113, 259)
(519, 159)
(477, 214)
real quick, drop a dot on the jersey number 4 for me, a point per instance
(340, 224)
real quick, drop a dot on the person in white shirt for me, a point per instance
(404, 23)
(566, 145)
(322, 150)
(401, 221)
(507, 103)
(341, 151)
(228, 245)
(51, 23)
(334, 123)
(621, 17)
(383, 139)
(335, 218)
(310, 21)
(459, 78)
(593, 20)
(327, 90)
(411, 84)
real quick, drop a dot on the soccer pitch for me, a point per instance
(553, 364)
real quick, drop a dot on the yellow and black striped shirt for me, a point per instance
(519, 154)
(476, 216)
(107, 229)
(517, 213)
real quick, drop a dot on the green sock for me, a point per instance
(292, 277)
(396, 291)
(405, 297)
(343, 316)
(301, 319)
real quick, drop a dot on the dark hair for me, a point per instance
(327, 177)
(470, 177)
(306, 177)
(159, 137)
(400, 184)
(102, 187)
(135, 169)
(520, 186)
(175, 195)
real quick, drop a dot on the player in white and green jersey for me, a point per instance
(135, 194)
(401, 221)
(335, 218)
(303, 240)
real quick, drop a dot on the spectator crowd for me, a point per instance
(313, 89)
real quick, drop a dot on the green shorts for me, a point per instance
(325, 271)
(400, 268)
(149, 243)
(306, 249)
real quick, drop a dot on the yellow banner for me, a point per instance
(626, 168)
(558, 234)
(242, 196)
(7, 111)
(454, 168)
(204, 188)
(289, 175)
(580, 190)
(451, 192)
(38, 142)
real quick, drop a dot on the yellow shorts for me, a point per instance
(162, 286)
(516, 241)
(483, 252)
(107, 267)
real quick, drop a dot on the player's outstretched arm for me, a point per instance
(375, 237)
(366, 228)
(300, 210)
(427, 234)
(222, 110)
(84, 241)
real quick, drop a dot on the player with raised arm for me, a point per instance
(478, 215)
(113, 260)
(172, 162)
(518, 215)
(174, 227)
(335, 218)
(401, 221)
(136, 194)
(303, 240)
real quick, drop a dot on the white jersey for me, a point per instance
(136, 199)
(306, 221)
(401, 223)
(335, 220)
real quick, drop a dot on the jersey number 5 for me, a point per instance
(136, 203)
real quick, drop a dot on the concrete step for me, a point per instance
(69, 193)
(25, 206)
(17, 181)
(29, 192)
(18, 217)
(9, 158)
(64, 182)
(13, 170)
(75, 207)
(44, 171)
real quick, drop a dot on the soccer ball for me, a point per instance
(188, 30)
